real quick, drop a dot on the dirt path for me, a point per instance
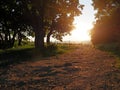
(83, 69)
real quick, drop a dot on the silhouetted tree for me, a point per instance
(46, 17)
(11, 23)
(62, 19)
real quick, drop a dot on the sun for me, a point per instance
(81, 31)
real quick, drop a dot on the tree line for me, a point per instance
(38, 18)
(107, 26)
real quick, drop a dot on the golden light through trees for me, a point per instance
(83, 24)
(81, 31)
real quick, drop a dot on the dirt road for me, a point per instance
(82, 69)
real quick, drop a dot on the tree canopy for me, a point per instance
(41, 17)
(107, 26)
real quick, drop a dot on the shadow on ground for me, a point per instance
(15, 56)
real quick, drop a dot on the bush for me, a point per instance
(113, 48)
(50, 50)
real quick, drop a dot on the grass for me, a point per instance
(112, 48)
(28, 53)
(15, 55)
(55, 49)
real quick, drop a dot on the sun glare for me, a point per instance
(83, 24)
(81, 31)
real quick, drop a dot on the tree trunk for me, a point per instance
(13, 39)
(39, 39)
(39, 28)
(19, 39)
(1, 38)
(19, 42)
(48, 37)
(14, 35)
(1, 41)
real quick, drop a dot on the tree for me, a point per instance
(11, 23)
(107, 25)
(44, 16)
(60, 27)
(7, 20)
(62, 22)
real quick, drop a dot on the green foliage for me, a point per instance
(50, 50)
(55, 49)
(12, 25)
(24, 43)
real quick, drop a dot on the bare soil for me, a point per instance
(85, 68)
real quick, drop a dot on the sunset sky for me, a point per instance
(83, 23)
